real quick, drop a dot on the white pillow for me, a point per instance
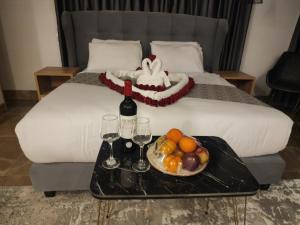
(196, 44)
(179, 56)
(96, 40)
(114, 56)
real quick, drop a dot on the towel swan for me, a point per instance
(159, 73)
(144, 71)
(145, 67)
(152, 74)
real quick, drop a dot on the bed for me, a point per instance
(60, 135)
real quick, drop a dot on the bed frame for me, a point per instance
(79, 29)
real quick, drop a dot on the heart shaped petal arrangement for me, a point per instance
(152, 85)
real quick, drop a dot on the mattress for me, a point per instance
(65, 125)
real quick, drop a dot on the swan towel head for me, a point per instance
(152, 73)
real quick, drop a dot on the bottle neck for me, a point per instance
(128, 88)
(128, 92)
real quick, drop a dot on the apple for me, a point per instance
(190, 161)
(203, 155)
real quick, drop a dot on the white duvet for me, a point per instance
(65, 125)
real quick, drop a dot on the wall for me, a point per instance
(28, 41)
(269, 34)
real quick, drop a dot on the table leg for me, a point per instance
(109, 211)
(235, 211)
(106, 212)
(99, 209)
(245, 210)
(103, 216)
(108, 208)
(207, 206)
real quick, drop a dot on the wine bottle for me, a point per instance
(128, 110)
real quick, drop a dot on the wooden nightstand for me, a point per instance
(49, 78)
(241, 80)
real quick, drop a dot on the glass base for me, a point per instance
(111, 163)
(141, 166)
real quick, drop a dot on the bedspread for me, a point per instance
(204, 91)
(65, 125)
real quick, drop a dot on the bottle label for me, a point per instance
(128, 144)
(127, 125)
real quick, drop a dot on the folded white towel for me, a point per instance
(146, 68)
(152, 74)
(156, 67)
(181, 79)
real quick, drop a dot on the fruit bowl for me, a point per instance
(156, 159)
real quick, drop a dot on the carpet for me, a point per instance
(22, 205)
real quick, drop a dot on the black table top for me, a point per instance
(225, 175)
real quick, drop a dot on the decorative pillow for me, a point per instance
(179, 56)
(114, 56)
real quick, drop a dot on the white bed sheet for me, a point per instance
(65, 125)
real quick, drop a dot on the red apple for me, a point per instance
(190, 161)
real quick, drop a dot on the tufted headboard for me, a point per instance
(81, 26)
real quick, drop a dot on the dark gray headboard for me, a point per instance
(80, 27)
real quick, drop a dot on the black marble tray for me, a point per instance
(225, 175)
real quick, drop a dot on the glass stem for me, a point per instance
(141, 152)
(111, 154)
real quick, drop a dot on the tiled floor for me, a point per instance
(14, 166)
(291, 154)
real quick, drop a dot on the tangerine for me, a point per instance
(171, 163)
(167, 160)
(187, 144)
(174, 135)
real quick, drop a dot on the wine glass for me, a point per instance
(142, 136)
(110, 133)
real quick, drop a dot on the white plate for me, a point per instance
(157, 163)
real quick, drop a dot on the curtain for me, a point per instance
(237, 12)
(295, 42)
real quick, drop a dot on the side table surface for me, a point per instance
(225, 175)
(241, 80)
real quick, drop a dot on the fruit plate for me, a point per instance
(157, 163)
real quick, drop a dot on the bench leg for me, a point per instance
(50, 194)
(264, 187)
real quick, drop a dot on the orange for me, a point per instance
(167, 160)
(171, 163)
(168, 147)
(187, 144)
(174, 135)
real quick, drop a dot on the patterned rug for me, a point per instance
(21, 205)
